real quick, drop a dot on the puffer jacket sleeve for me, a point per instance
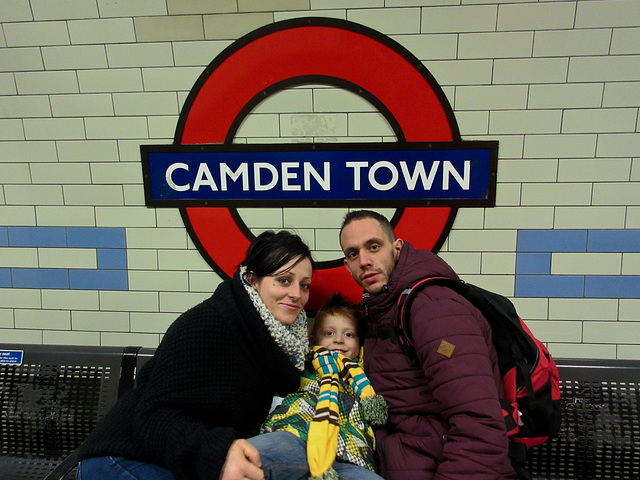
(454, 348)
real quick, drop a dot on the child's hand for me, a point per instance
(242, 462)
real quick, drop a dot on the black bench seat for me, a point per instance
(52, 400)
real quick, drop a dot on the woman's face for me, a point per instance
(285, 292)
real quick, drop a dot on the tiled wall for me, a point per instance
(84, 82)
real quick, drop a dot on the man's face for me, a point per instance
(370, 255)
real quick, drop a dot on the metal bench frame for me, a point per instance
(52, 400)
(600, 434)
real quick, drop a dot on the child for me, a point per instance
(323, 431)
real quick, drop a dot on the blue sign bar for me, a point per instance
(11, 357)
(407, 174)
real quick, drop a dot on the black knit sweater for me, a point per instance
(211, 381)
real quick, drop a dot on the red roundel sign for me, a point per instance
(313, 51)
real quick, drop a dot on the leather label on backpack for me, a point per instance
(446, 348)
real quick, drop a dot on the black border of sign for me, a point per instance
(489, 201)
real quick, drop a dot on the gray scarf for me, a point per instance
(292, 339)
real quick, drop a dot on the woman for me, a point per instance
(213, 376)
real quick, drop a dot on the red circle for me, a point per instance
(303, 51)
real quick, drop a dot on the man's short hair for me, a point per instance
(362, 214)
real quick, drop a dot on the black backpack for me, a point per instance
(531, 404)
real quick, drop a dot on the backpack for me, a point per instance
(531, 404)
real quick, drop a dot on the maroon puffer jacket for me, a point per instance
(445, 420)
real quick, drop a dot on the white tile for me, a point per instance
(18, 257)
(458, 19)
(161, 281)
(612, 332)
(67, 258)
(103, 80)
(566, 95)
(20, 59)
(495, 45)
(530, 70)
(586, 263)
(63, 9)
(148, 103)
(60, 173)
(43, 319)
(93, 321)
(81, 105)
(515, 217)
(556, 194)
(151, 322)
(601, 120)
(558, 43)
(607, 13)
(54, 129)
(17, 215)
(70, 300)
(616, 193)
(179, 302)
(124, 217)
(67, 216)
(594, 170)
(388, 20)
(31, 34)
(589, 217)
(630, 309)
(100, 31)
(93, 195)
(125, 339)
(46, 82)
(536, 16)
(556, 331)
(20, 298)
(631, 263)
(135, 301)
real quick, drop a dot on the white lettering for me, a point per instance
(168, 177)
(356, 172)
(225, 171)
(204, 177)
(394, 176)
(309, 171)
(257, 167)
(448, 170)
(419, 173)
(287, 175)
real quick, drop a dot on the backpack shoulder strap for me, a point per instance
(401, 329)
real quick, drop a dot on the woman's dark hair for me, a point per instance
(270, 251)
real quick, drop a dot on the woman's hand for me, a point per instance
(242, 462)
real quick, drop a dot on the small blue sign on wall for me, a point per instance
(354, 174)
(11, 357)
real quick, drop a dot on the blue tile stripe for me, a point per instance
(111, 255)
(534, 256)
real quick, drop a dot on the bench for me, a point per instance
(50, 403)
(51, 397)
(600, 433)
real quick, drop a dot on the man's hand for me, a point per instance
(242, 462)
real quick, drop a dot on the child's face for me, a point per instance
(338, 333)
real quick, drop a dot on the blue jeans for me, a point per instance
(119, 468)
(284, 457)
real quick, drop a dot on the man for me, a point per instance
(445, 420)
